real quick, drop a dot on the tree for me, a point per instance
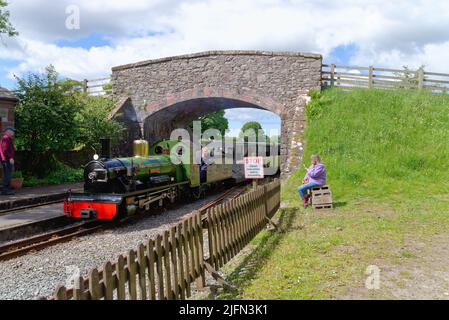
(53, 117)
(250, 128)
(252, 125)
(6, 26)
(93, 121)
(45, 119)
(214, 120)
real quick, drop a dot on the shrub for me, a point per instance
(17, 175)
(62, 174)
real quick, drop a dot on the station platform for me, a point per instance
(32, 215)
(37, 195)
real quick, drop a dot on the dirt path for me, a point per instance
(420, 272)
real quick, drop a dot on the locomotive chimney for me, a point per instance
(105, 148)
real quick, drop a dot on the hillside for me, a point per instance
(379, 145)
(387, 155)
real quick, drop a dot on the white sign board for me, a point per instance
(253, 167)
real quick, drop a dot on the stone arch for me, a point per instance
(275, 81)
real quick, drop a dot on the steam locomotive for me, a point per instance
(124, 186)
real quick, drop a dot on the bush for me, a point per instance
(45, 120)
(317, 105)
(93, 122)
(62, 174)
(52, 117)
(17, 175)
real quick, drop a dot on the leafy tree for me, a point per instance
(256, 127)
(6, 26)
(53, 117)
(252, 125)
(214, 120)
(45, 119)
(93, 121)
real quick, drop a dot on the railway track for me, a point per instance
(39, 242)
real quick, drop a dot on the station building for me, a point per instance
(8, 102)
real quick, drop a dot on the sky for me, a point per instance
(384, 33)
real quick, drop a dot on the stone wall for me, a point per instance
(275, 81)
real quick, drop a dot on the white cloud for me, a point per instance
(385, 32)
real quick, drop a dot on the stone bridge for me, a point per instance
(157, 96)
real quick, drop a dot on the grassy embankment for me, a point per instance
(387, 155)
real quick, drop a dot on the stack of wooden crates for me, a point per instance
(321, 197)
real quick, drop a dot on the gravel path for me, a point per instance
(38, 274)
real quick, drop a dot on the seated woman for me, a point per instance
(315, 176)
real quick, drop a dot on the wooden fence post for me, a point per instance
(94, 285)
(420, 78)
(108, 281)
(201, 281)
(85, 85)
(61, 293)
(370, 77)
(332, 66)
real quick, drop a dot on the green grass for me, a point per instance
(387, 157)
(380, 145)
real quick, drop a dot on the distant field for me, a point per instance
(387, 155)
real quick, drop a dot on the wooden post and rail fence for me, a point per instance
(165, 267)
(384, 78)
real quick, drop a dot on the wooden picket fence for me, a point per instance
(232, 225)
(166, 266)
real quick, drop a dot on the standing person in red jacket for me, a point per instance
(7, 157)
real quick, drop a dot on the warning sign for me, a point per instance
(253, 167)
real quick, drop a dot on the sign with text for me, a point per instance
(253, 167)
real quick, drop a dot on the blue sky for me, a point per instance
(114, 32)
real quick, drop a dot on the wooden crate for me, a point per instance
(321, 197)
(323, 206)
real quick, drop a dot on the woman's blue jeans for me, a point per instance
(306, 187)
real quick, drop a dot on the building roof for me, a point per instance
(5, 94)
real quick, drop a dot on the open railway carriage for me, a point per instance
(123, 186)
